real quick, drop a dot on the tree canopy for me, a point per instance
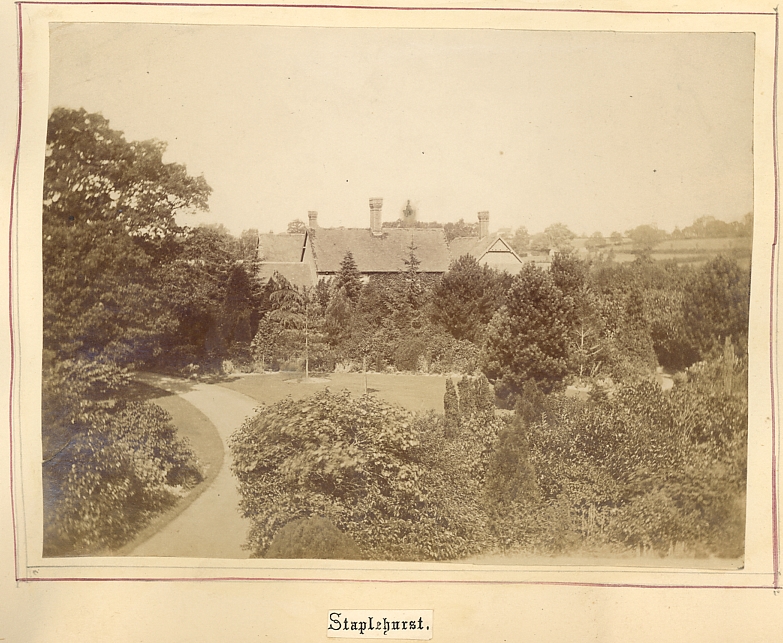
(528, 337)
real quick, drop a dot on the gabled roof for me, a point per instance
(280, 247)
(297, 273)
(378, 254)
(479, 247)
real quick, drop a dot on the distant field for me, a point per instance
(413, 392)
(708, 245)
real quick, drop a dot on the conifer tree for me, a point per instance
(349, 278)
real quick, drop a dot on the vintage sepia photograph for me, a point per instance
(475, 296)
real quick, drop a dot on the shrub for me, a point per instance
(312, 538)
(108, 482)
(407, 353)
(359, 463)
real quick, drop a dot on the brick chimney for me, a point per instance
(312, 219)
(376, 221)
(483, 220)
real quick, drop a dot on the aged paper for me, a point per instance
(140, 598)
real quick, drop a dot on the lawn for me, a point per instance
(413, 392)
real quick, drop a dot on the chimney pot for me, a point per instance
(312, 219)
(376, 222)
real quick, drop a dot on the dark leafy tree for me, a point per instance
(109, 228)
(338, 325)
(528, 337)
(111, 249)
(238, 307)
(466, 297)
(716, 305)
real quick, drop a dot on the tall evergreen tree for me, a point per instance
(349, 278)
(528, 337)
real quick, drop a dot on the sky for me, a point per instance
(601, 131)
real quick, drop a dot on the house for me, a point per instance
(284, 254)
(488, 249)
(305, 259)
(376, 250)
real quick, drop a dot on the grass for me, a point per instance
(413, 392)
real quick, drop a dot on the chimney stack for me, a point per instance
(483, 219)
(376, 225)
(312, 219)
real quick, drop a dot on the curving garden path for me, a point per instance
(211, 526)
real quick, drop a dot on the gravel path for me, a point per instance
(211, 527)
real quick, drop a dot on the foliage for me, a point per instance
(238, 304)
(112, 477)
(108, 228)
(646, 237)
(348, 278)
(716, 305)
(711, 228)
(519, 241)
(596, 241)
(312, 538)
(451, 413)
(408, 353)
(297, 226)
(460, 229)
(528, 337)
(641, 468)
(357, 462)
(555, 237)
(466, 297)
(116, 291)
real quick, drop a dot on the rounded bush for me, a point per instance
(312, 538)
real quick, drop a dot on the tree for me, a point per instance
(520, 240)
(460, 229)
(297, 226)
(339, 317)
(595, 241)
(559, 236)
(237, 308)
(466, 297)
(646, 237)
(112, 294)
(290, 311)
(528, 337)
(616, 238)
(348, 278)
(109, 230)
(194, 287)
(716, 305)
(585, 343)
